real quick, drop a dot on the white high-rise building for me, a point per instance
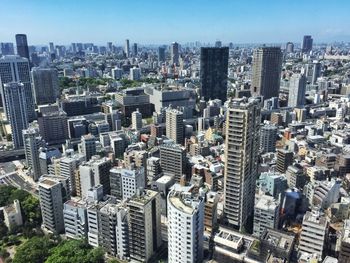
(16, 106)
(51, 202)
(266, 214)
(16, 69)
(297, 89)
(135, 73)
(174, 125)
(241, 160)
(185, 227)
(132, 180)
(88, 146)
(136, 120)
(313, 234)
(93, 173)
(32, 143)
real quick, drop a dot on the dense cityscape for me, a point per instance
(180, 152)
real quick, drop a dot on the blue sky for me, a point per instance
(158, 22)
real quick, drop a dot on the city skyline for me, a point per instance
(180, 21)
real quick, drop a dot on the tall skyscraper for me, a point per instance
(16, 69)
(51, 203)
(52, 48)
(307, 44)
(297, 89)
(45, 84)
(185, 227)
(241, 160)
(16, 106)
(213, 73)
(173, 160)
(289, 47)
(110, 47)
(161, 54)
(32, 143)
(144, 225)
(127, 48)
(134, 50)
(22, 46)
(174, 53)
(174, 125)
(266, 72)
(7, 49)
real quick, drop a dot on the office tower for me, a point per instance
(22, 46)
(68, 167)
(75, 219)
(185, 227)
(46, 156)
(117, 73)
(110, 47)
(88, 146)
(7, 49)
(14, 94)
(154, 169)
(95, 172)
(144, 225)
(113, 230)
(115, 180)
(307, 44)
(32, 143)
(268, 137)
(134, 50)
(136, 120)
(289, 47)
(127, 48)
(135, 73)
(174, 125)
(173, 160)
(218, 44)
(266, 72)
(53, 126)
(161, 54)
(272, 184)
(132, 179)
(297, 89)
(313, 234)
(312, 72)
(241, 157)
(16, 69)
(174, 53)
(52, 48)
(51, 203)
(45, 85)
(284, 159)
(213, 73)
(266, 214)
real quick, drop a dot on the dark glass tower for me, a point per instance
(213, 72)
(22, 46)
(307, 44)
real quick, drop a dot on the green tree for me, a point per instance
(5, 194)
(75, 251)
(31, 211)
(34, 250)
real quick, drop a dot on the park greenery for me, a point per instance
(51, 249)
